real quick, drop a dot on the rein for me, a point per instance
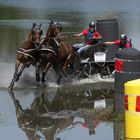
(29, 50)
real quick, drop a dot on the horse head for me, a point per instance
(53, 30)
(36, 33)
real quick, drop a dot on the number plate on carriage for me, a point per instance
(99, 57)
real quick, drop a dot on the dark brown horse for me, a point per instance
(27, 54)
(65, 51)
(47, 58)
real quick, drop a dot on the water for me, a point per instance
(54, 112)
(16, 18)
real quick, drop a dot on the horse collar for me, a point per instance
(57, 43)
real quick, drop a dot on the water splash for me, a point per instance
(28, 80)
(93, 79)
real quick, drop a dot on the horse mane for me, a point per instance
(48, 32)
(30, 36)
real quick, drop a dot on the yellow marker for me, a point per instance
(132, 109)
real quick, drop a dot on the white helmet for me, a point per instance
(123, 37)
(92, 24)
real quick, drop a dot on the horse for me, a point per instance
(64, 50)
(47, 58)
(27, 54)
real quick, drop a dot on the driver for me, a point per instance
(91, 37)
(122, 42)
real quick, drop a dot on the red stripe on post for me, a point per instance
(138, 104)
(126, 102)
(119, 65)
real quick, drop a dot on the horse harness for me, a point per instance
(58, 43)
(49, 50)
(27, 52)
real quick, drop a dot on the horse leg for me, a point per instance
(61, 75)
(64, 67)
(18, 74)
(59, 79)
(17, 65)
(37, 72)
(45, 71)
(16, 77)
(10, 87)
(76, 63)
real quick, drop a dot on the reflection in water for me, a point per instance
(53, 116)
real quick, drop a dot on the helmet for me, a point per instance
(123, 37)
(92, 24)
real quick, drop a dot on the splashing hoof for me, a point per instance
(59, 79)
(16, 77)
(43, 80)
(17, 80)
(10, 88)
(58, 82)
(37, 79)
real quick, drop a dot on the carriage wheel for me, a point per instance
(86, 70)
(108, 70)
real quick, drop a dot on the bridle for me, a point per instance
(36, 33)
